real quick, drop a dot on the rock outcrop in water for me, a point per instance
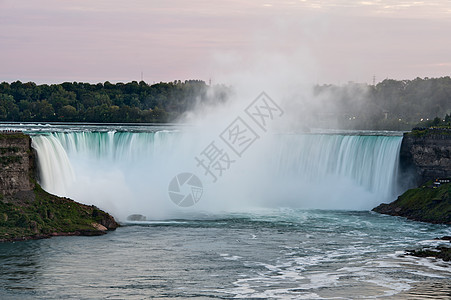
(441, 252)
(428, 153)
(29, 212)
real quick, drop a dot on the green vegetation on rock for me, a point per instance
(38, 214)
(425, 204)
(431, 131)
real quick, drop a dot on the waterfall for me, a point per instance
(369, 161)
(55, 168)
(129, 172)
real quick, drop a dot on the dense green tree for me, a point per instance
(42, 110)
(8, 108)
(68, 113)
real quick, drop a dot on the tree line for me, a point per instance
(390, 105)
(102, 102)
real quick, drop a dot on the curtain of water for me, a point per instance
(128, 172)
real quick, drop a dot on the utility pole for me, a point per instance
(374, 80)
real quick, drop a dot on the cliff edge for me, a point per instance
(428, 152)
(29, 212)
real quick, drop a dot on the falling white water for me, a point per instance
(126, 172)
(369, 161)
(56, 170)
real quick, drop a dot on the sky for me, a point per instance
(323, 41)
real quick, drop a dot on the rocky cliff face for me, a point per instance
(428, 153)
(16, 163)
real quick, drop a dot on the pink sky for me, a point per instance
(52, 41)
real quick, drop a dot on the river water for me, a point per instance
(286, 254)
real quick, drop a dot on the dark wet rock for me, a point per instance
(441, 252)
(444, 238)
(136, 217)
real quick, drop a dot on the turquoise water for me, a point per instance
(284, 253)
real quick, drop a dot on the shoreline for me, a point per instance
(55, 234)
